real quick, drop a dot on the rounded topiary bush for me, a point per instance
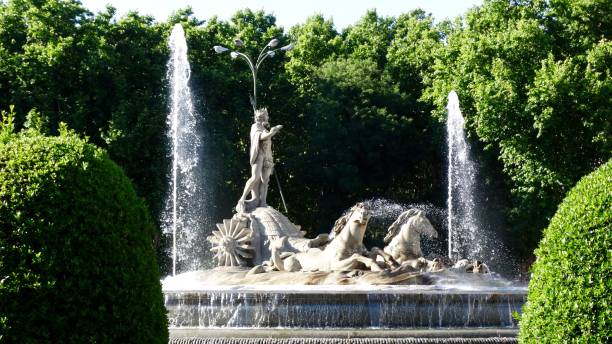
(77, 264)
(570, 292)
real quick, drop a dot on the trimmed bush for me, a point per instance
(77, 264)
(570, 292)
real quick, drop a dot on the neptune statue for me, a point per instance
(262, 163)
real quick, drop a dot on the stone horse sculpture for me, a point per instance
(403, 238)
(344, 252)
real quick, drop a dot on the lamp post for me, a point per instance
(268, 51)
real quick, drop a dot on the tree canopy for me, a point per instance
(362, 108)
(534, 78)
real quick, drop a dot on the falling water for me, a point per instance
(404, 307)
(463, 239)
(183, 205)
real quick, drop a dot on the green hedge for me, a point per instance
(570, 292)
(77, 263)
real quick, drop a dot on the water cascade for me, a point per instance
(464, 240)
(343, 307)
(182, 214)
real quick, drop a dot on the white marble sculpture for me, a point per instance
(232, 242)
(344, 252)
(245, 239)
(262, 163)
(260, 245)
(259, 239)
(403, 238)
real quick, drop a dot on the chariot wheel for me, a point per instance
(232, 243)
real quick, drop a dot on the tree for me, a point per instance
(104, 78)
(370, 37)
(536, 96)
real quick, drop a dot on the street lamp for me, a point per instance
(268, 51)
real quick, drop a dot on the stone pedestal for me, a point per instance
(269, 224)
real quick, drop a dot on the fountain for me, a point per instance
(183, 212)
(468, 236)
(463, 226)
(272, 281)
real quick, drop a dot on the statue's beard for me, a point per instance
(266, 125)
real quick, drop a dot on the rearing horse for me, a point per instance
(404, 235)
(344, 252)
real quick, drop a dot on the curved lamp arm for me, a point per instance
(266, 55)
(267, 51)
(254, 73)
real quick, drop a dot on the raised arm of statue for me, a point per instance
(271, 133)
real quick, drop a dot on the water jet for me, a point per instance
(182, 217)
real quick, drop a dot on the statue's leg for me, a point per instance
(255, 193)
(251, 184)
(375, 251)
(263, 187)
(248, 187)
(320, 240)
(370, 263)
(356, 262)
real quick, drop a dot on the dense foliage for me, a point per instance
(77, 263)
(103, 77)
(533, 78)
(569, 294)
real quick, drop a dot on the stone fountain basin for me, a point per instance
(237, 276)
(331, 306)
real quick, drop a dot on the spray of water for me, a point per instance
(464, 239)
(469, 236)
(183, 204)
(384, 212)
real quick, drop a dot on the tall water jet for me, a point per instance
(183, 211)
(463, 237)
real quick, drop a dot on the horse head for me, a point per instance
(403, 237)
(420, 223)
(358, 215)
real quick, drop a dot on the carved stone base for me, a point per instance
(268, 224)
(244, 240)
(342, 336)
(405, 275)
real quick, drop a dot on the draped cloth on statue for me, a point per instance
(256, 130)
